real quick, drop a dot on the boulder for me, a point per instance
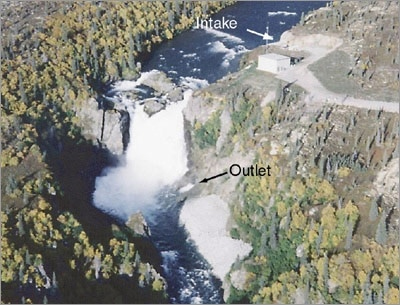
(153, 106)
(138, 224)
(238, 278)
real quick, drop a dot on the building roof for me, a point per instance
(275, 56)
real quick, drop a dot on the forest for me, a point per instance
(56, 247)
(323, 228)
(318, 234)
(318, 231)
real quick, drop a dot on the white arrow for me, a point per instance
(265, 36)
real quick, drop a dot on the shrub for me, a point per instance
(206, 135)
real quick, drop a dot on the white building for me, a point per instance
(273, 63)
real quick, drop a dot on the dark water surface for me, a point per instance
(210, 55)
(207, 55)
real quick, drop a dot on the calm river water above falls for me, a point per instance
(158, 148)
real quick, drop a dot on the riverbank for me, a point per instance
(57, 57)
(206, 219)
(328, 157)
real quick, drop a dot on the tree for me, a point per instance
(21, 230)
(325, 270)
(54, 281)
(272, 233)
(373, 211)
(302, 21)
(319, 238)
(321, 166)
(349, 236)
(27, 258)
(381, 232)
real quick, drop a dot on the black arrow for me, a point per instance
(205, 180)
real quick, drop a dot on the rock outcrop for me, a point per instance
(138, 224)
(107, 126)
(106, 120)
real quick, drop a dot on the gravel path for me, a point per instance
(302, 76)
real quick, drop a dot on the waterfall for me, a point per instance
(155, 158)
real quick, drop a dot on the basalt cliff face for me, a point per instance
(306, 233)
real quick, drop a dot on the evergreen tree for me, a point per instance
(21, 273)
(272, 233)
(288, 219)
(28, 258)
(321, 166)
(349, 236)
(21, 230)
(302, 21)
(137, 259)
(373, 211)
(319, 238)
(385, 284)
(378, 137)
(54, 281)
(381, 233)
(263, 244)
(326, 270)
(379, 298)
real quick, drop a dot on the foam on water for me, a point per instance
(128, 85)
(230, 53)
(190, 55)
(156, 157)
(224, 36)
(219, 47)
(186, 188)
(284, 13)
(169, 259)
(193, 83)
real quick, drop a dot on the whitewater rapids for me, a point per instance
(156, 157)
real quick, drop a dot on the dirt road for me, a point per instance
(319, 46)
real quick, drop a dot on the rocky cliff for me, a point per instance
(325, 209)
(56, 247)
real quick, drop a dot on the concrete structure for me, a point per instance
(273, 63)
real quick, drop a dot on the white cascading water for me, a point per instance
(156, 157)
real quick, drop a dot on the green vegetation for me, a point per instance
(55, 246)
(319, 232)
(44, 249)
(207, 134)
(308, 229)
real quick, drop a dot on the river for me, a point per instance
(157, 156)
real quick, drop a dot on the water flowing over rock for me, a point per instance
(156, 157)
(106, 121)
